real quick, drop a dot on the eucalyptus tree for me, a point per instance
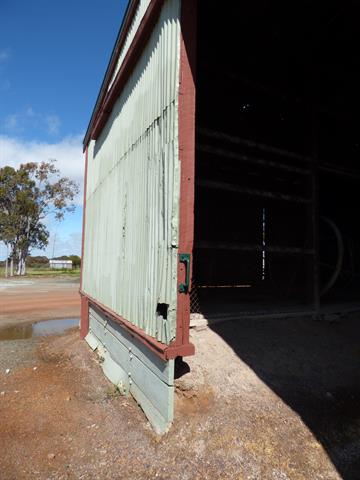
(28, 195)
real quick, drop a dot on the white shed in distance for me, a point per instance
(60, 264)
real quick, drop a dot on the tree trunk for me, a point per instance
(21, 267)
(18, 270)
(21, 270)
(7, 261)
(11, 267)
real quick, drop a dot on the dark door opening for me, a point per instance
(277, 178)
(277, 148)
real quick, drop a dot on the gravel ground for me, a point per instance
(274, 400)
(229, 423)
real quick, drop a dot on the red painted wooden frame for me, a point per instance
(165, 352)
(187, 105)
(181, 346)
(141, 37)
(112, 65)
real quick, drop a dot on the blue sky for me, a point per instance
(53, 56)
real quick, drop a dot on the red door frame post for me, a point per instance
(84, 318)
(187, 105)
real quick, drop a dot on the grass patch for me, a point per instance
(41, 272)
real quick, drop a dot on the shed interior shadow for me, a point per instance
(277, 179)
(277, 157)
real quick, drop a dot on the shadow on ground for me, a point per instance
(313, 366)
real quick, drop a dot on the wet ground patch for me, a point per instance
(38, 329)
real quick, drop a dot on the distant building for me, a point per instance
(60, 264)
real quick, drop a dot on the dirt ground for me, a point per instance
(267, 399)
(29, 300)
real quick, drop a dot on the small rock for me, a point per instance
(51, 456)
(2, 393)
(68, 398)
(7, 371)
(35, 368)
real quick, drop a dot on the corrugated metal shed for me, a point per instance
(132, 195)
(135, 22)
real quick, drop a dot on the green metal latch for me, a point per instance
(185, 258)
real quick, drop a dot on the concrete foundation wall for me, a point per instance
(134, 369)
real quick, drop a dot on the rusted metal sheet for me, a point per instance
(132, 193)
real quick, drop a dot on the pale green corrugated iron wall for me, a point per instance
(140, 11)
(131, 232)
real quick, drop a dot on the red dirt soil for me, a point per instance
(40, 299)
(240, 413)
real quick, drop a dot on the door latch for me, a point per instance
(185, 259)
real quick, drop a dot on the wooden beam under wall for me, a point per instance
(221, 152)
(253, 248)
(256, 145)
(230, 187)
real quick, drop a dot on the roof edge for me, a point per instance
(120, 39)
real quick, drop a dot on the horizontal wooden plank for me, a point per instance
(163, 369)
(127, 363)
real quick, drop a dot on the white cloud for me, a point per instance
(53, 124)
(59, 245)
(11, 122)
(4, 55)
(4, 82)
(67, 153)
(30, 119)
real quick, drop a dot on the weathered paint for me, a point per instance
(84, 318)
(133, 368)
(132, 195)
(187, 107)
(130, 34)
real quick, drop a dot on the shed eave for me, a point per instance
(125, 25)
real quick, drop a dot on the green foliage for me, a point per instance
(37, 261)
(76, 260)
(27, 196)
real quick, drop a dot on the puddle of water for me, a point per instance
(49, 327)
